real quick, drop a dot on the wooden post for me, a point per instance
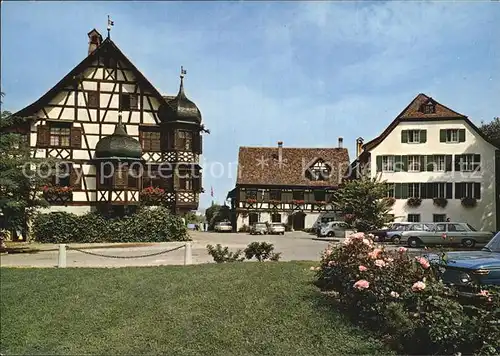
(188, 254)
(61, 260)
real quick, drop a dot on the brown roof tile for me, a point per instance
(260, 165)
(413, 111)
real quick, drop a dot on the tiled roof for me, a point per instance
(260, 165)
(413, 111)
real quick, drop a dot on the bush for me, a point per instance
(403, 299)
(222, 254)
(244, 228)
(147, 225)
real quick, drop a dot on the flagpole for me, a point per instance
(109, 29)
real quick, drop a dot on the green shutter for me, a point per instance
(430, 163)
(424, 190)
(477, 190)
(461, 135)
(404, 136)
(423, 136)
(459, 190)
(404, 163)
(477, 162)
(397, 190)
(422, 163)
(431, 190)
(448, 163)
(379, 163)
(397, 163)
(458, 166)
(404, 190)
(449, 190)
(442, 135)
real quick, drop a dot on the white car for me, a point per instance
(276, 228)
(333, 228)
(224, 226)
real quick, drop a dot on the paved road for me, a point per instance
(293, 246)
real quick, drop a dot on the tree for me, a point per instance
(363, 203)
(217, 213)
(21, 176)
(492, 130)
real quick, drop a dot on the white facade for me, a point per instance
(483, 215)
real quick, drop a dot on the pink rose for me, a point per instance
(423, 262)
(367, 242)
(328, 252)
(375, 253)
(418, 286)
(484, 293)
(402, 249)
(380, 263)
(357, 236)
(361, 284)
(332, 263)
(313, 268)
(389, 259)
(394, 294)
(362, 268)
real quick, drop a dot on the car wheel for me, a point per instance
(330, 234)
(396, 239)
(413, 242)
(468, 243)
(283, 233)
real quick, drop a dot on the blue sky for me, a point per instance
(301, 72)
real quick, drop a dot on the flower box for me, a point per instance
(414, 202)
(320, 202)
(251, 201)
(297, 201)
(152, 196)
(57, 194)
(440, 202)
(273, 201)
(469, 202)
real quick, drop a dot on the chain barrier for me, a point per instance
(126, 257)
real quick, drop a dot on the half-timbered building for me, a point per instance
(115, 134)
(290, 185)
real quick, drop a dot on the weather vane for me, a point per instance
(110, 23)
(183, 72)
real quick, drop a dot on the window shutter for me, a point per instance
(431, 190)
(461, 135)
(76, 137)
(404, 136)
(197, 141)
(397, 163)
(379, 163)
(74, 178)
(477, 162)
(43, 136)
(430, 163)
(404, 190)
(397, 191)
(449, 190)
(458, 166)
(442, 135)
(424, 190)
(423, 136)
(404, 163)
(197, 183)
(422, 163)
(448, 163)
(459, 188)
(477, 190)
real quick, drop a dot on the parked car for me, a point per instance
(392, 232)
(258, 228)
(333, 228)
(446, 233)
(276, 228)
(465, 269)
(223, 226)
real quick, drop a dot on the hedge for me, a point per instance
(147, 225)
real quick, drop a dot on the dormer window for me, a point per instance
(319, 171)
(429, 108)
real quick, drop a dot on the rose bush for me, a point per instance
(402, 298)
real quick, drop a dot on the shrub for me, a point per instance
(147, 225)
(441, 202)
(404, 300)
(469, 202)
(244, 228)
(414, 202)
(261, 251)
(222, 254)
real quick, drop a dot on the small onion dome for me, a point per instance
(119, 145)
(179, 108)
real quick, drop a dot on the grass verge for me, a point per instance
(229, 309)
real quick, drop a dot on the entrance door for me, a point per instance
(253, 218)
(299, 221)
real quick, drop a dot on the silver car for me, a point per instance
(445, 233)
(333, 228)
(258, 228)
(276, 228)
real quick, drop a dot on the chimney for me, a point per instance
(359, 146)
(341, 142)
(95, 40)
(280, 151)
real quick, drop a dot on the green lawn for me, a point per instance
(230, 309)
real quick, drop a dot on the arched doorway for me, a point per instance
(298, 220)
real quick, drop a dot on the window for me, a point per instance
(62, 176)
(319, 171)
(391, 190)
(133, 178)
(388, 163)
(413, 190)
(93, 99)
(298, 195)
(185, 140)
(276, 218)
(128, 101)
(253, 218)
(440, 163)
(452, 135)
(251, 193)
(60, 135)
(441, 227)
(105, 176)
(413, 217)
(150, 140)
(440, 190)
(153, 179)
(320, 195)
(456, 227)
(275, 194)
(413, 163)
(185, 181)
(429, 108)
(468, 163)
(413, 136)
(438, 217)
